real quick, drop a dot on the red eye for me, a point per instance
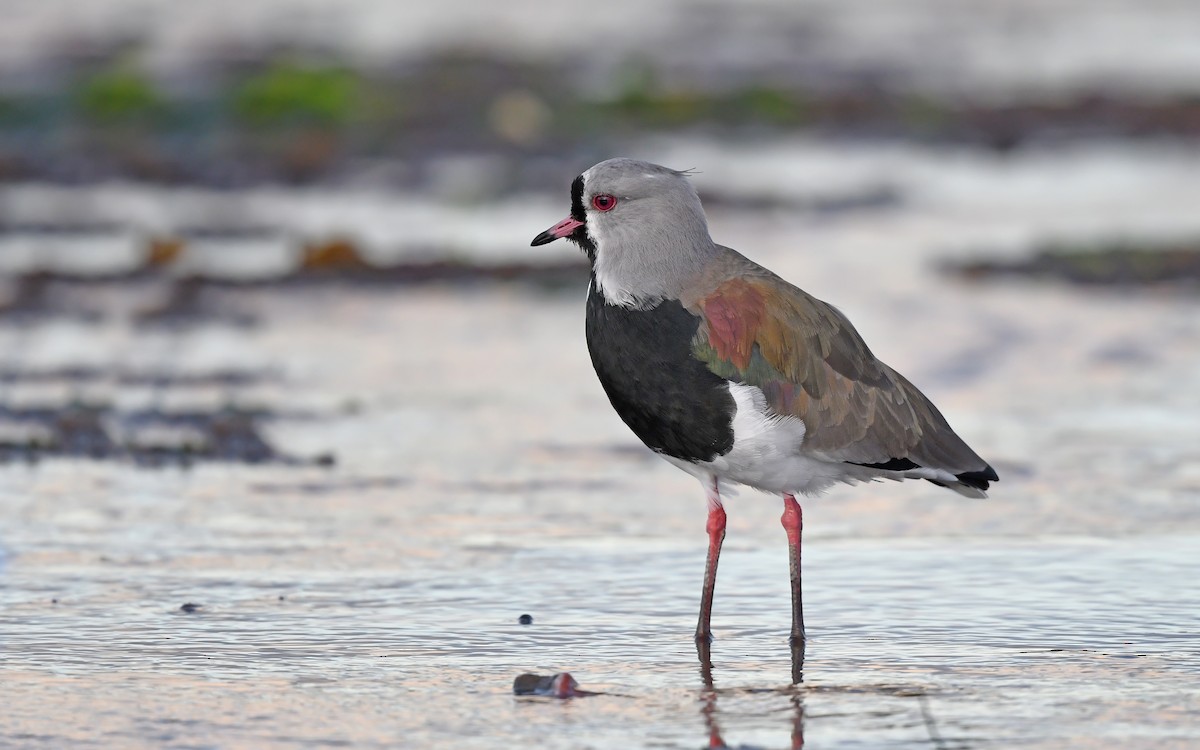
(604, 202)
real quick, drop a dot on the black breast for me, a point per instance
(670, 399)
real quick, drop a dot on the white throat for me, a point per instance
(612, 278)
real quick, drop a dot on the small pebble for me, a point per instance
(189, 607)
(561, 685)
(525, 619)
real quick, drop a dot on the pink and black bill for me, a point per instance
(574, 227)
(562, 229)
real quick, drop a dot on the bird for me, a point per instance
(733, 374)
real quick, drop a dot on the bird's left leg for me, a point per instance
(793, 524)
(716, 535)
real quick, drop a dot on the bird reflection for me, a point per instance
(704, 651)
(709, 696)
(797, 645)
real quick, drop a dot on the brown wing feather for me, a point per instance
(811, 364)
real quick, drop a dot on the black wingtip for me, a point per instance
(892, 464)
(978, 479)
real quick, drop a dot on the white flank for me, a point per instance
(766, 451)
(766, 455)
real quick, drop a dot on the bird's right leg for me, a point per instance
(716, 535)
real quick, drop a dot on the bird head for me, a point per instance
(640, 224)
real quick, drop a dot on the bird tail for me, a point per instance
(970, 483)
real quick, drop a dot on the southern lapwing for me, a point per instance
(733, 374)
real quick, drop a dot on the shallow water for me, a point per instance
(341, 618)
(482, 476)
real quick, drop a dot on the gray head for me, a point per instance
(642, 227)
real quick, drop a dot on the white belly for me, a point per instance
(766, 452)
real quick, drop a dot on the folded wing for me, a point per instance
(810, 363)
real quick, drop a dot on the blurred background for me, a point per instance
(164, 169)
(273, 342)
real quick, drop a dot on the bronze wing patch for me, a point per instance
(811, 364)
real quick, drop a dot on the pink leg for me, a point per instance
(716, 535)
(793, 524)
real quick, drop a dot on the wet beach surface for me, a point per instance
(476, 474)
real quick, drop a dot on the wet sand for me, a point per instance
(481, 476)
(477, 474)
